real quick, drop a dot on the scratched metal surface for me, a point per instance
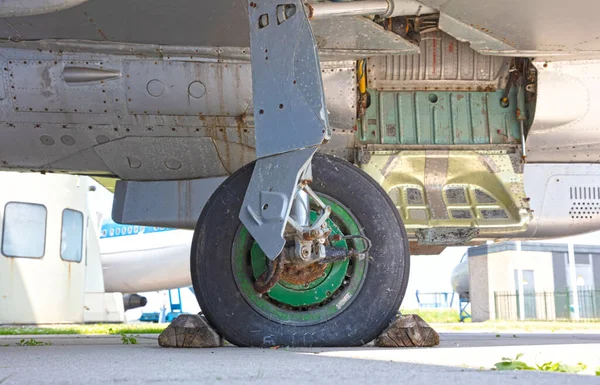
(189, 23)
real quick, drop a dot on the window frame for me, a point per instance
(62, 226)
(4, 229)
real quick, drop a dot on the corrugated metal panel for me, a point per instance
(443, 62)
(440, 118)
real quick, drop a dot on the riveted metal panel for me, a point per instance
(444, 63)
(440, 118)
(187, 88)
(38, 86)
(339, 83)
(161, 158)
(450, 183)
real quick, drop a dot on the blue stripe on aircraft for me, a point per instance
(113, 230)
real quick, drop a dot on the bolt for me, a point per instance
(314, 233)
(305, 252)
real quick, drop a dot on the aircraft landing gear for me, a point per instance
(296, 249)
(338, 303)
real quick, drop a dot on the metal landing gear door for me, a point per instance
(289, 112)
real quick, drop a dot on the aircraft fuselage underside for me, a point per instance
(434, 132)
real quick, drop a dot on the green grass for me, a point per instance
(126, 340)
(33, 342)
(435, 315)
(89, 329)
(551, 366)
(448, 320)
(525, 326)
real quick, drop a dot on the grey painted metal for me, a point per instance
(39, 86)
(32, 123)
(328, 9)
(289, 104)
(480, 41)
(358, 37)
(88, 74)
(170, 87)
(215, 23)
(188, 28)
(175, 204)
(529, 28)
(289, 112)
(12, 8)
(268, 200)
(407, 8)
(171, 159)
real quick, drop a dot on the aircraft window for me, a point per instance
(118, 231)
(136, 229)
(71, 243)
(104, 233)
(24, 230)
(112, 232)
(129, 230)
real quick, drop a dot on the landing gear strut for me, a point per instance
(310, 245)
(297, 248)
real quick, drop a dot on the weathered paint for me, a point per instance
(459, 189)
(440, 118)
(311, 293)
(240, 258)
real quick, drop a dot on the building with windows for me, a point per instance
(50, 268)
(495, 271)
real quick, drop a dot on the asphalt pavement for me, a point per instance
(461, 358)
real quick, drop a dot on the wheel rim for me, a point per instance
(325, 296)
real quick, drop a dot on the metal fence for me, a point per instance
(547, 306)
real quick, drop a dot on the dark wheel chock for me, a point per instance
(408, 331)
(190, 331)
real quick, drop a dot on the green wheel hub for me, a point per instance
(311, 293)
(313, 301)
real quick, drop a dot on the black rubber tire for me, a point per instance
(377, 301)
